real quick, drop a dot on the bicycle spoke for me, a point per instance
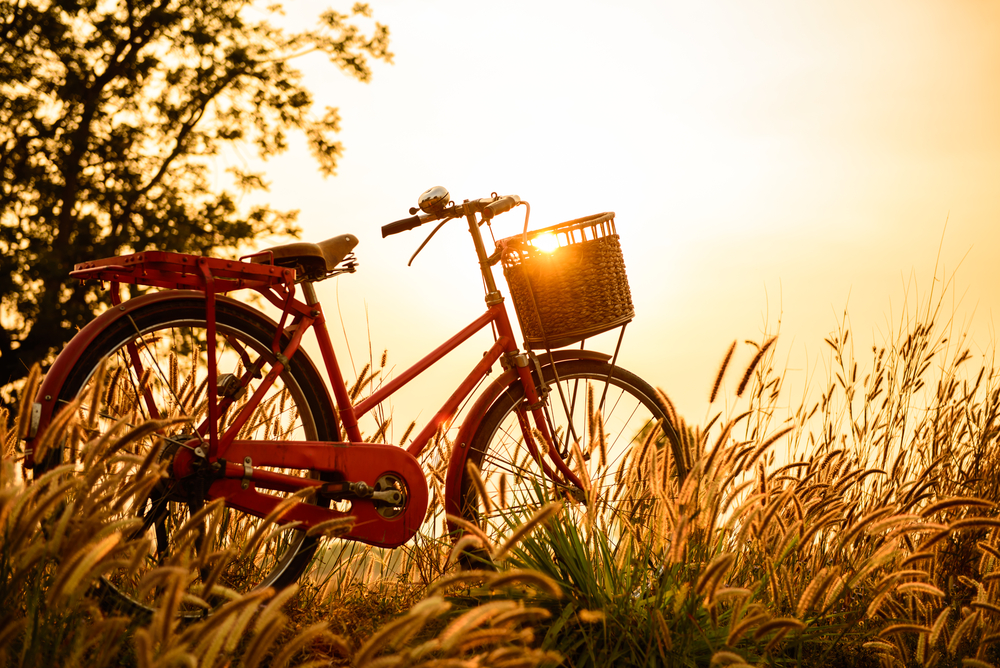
(589, 397)
(169, 371)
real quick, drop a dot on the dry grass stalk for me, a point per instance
(30, 389)
(964, 627)
(490, 634)
(332, 528)
(713, 574)
(886, 486)
(778, 624)
(66, 539)
(477, 482)
(753, 365)
(472, 528)
(722, 372)
(526, 577)
(740, 626)
(406, 434)
(462, 545)
(727, 658)
(539, 517)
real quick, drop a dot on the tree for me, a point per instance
(110, 114)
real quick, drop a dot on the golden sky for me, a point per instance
(770, 159)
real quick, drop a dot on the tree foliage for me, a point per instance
(111, 112)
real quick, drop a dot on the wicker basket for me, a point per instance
(574, 292)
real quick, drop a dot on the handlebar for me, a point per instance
(502, 205)
(488, 207)
(401, 226)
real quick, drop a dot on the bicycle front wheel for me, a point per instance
(156, 368)
(601, 411)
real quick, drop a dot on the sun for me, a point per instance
(546, 243)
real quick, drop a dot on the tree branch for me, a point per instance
(194, 116)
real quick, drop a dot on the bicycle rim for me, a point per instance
(157, 358)
(601, 415)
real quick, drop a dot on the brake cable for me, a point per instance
(421, 247)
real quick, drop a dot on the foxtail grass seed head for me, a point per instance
(602, 441)
(753, 365)
(541, 443)
(535, 579)
(332, 528)
(476, 531)
(540, 517)
(590, 616)
(463, 544)
(477, 482)
(722, 372)
(359, 384)
(728, 659)
(28, 392)
(778, 624)
(96, 392)
(713, 574)
(581, 465)
(813, 591)
(408, 431)
(591, 410)
(964, 628)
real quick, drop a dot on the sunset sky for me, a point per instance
(770, 160)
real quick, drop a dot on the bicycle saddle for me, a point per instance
(316, 259)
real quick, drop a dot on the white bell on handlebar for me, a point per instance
(434, 200)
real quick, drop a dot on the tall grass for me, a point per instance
(62, 532)
(872, 539)
(856, 528)
(66, 529)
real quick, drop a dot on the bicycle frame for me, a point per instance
(351, 459)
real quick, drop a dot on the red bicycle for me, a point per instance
(260, 422)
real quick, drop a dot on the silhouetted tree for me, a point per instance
(110, 114)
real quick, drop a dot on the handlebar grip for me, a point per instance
(401, 226)
(502, 205)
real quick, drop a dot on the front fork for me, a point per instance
(536, 404)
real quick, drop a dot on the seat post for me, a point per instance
(309, 292)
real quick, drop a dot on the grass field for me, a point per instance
(858, 528)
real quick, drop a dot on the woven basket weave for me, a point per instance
(574, 292)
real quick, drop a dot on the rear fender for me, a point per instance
(45, 407)
(460, 451)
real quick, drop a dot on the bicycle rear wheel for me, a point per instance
(156, 367)
(606, 411)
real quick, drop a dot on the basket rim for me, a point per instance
(567, 226)
(568, 338)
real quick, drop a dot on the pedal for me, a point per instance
(346, 491)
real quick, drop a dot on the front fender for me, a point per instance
(460, 451)
(45, 406)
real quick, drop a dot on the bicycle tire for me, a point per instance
(170, 336)
(508, 471)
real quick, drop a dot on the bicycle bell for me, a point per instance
(434, 200)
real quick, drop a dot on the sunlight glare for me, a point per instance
(546, 243)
